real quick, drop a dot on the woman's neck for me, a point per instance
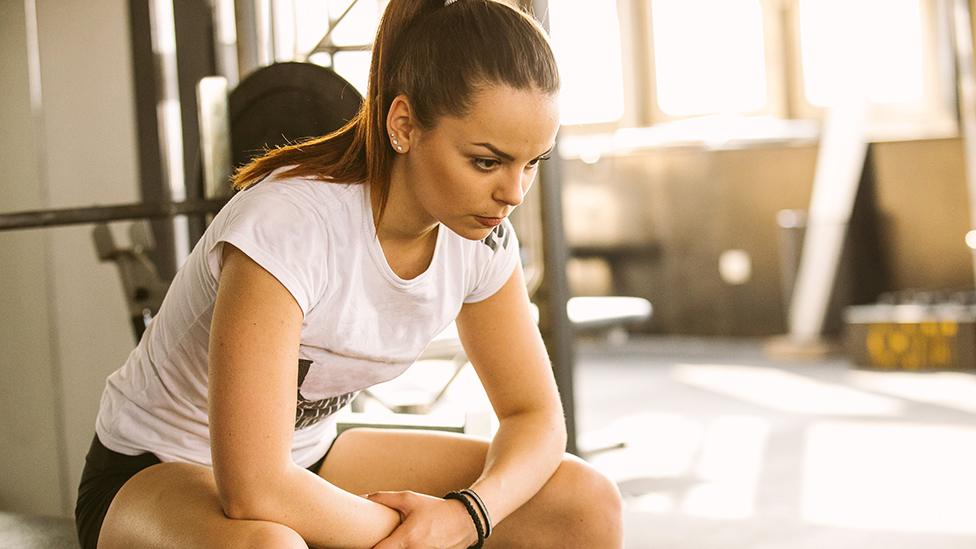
(404, 220)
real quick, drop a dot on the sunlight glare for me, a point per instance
(848, 47)
(730, 466)
(785, 391)
(586, 41)
(895, 477)
(709, 56)
(954, 390)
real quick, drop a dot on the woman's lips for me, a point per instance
(489, 221)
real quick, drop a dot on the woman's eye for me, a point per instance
(485, 164)
(537, 161)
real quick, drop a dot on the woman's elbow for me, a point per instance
(245, 498)
(240, 506)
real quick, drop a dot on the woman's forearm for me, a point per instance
(323, 514)
(524, 454)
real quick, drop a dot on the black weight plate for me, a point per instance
(285, 102)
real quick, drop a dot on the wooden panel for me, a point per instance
(923, 200)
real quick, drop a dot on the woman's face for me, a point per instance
(470, 172)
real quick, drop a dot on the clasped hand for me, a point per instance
(426, 522)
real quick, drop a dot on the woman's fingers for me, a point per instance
(401, 501)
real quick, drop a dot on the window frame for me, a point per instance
(632, 59)
(776, 104)
(933, 117)
(936, 117)
(786, 100)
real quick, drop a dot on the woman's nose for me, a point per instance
(512, 190)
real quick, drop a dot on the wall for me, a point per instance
(692, 204)
(64, 327)
(31, 440)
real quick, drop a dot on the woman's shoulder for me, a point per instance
(329, 200)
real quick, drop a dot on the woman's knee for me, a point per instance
(589, 503)
(587, 486)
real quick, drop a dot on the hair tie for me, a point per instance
(482, 508)
(449, 2)
(474, 517)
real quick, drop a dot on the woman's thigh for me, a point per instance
(577, 507)
(176, 505)
(366, 460)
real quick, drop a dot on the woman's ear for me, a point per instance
(400, 124)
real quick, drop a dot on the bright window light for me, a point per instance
(359, 26)
(312, 22)
(709, 56)
(870, 48)
(354, 67)
(586, 40)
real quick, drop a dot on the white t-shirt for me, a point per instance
(363, 324)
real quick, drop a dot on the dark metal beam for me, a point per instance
(101, 214)
(554, 292)
(195, 59)
(152, 187)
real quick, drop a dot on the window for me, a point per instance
(880, 59)
(347, 52)
(642, 62)
(709, 57)
(891, 54)
(585, 37)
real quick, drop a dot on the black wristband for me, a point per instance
(481, 506)
(474, 517)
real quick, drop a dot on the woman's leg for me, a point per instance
(577, 507)
(175, 505)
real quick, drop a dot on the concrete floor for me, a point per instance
(725, 448)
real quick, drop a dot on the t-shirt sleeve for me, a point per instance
(495, 262)
(280, 230)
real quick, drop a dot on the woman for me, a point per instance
(344, 255)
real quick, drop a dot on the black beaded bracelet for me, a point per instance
(482, 507)
(474, 517)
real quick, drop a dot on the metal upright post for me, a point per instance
(554, 292)
(255, 42)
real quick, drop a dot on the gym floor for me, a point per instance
(725, 448)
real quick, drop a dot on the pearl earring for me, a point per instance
(396, 143)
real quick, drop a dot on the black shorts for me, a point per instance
(104, 474)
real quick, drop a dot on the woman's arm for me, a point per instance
(253, 376)
(504, 345)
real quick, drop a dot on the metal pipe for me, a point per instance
(325, 44)
(225, 41)
(557, 331)
(99, 214)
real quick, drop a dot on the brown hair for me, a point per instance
(436, 55)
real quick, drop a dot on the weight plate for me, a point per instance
(285, 102)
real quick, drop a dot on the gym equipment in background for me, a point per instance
(914, 331)
(840, 168)
(144, 289)
(286, 102)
